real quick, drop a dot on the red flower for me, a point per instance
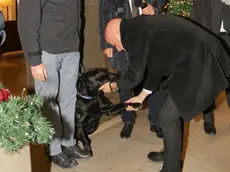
(4, 94)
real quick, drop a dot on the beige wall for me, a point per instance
(93, 57)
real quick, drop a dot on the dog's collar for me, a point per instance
(86, 97)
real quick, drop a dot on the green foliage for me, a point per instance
(22, 123)
(180, 7)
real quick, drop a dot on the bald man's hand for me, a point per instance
(108, 52)
(149, 10)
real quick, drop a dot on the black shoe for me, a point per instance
(157, 129)
(64, 161)
(156, 156)
(209, 128)
(76, 152)
(127, 130)
(159, 157)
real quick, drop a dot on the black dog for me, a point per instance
(92, 103)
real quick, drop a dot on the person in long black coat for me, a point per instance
(193, 60)
(213, 15)
(108, 10)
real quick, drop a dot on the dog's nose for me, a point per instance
(113, 77)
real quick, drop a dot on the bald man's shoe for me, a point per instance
(156, 156)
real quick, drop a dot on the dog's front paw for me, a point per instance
(87, 148)
(135, 105)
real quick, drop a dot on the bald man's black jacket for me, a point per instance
(168, 45)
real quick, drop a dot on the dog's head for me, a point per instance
(90, 81)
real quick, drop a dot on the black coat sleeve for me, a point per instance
(29, 19)
(105, 14)
(152, 81)
(138, 56)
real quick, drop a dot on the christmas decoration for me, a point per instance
(179, 7)
(4, 94)
(21, 122)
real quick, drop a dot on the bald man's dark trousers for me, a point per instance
(170, 121)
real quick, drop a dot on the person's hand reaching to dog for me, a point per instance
(112, 87)
(109, 87)
(137, 99)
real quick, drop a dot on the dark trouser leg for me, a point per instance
(127, 116)
(155, 101)
(154, 106)
(170, 122)
(208, 117)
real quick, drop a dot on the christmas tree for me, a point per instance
(179, 7)
(21, 121)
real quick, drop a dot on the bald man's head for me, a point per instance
(113, 35)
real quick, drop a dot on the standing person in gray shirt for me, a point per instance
(49, 34)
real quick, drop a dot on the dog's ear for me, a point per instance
(82, 85)
(89, 85)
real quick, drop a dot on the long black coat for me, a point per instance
(170, 45)
(210, 13)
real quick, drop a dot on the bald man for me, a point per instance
(128, 9)
(182, 59)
